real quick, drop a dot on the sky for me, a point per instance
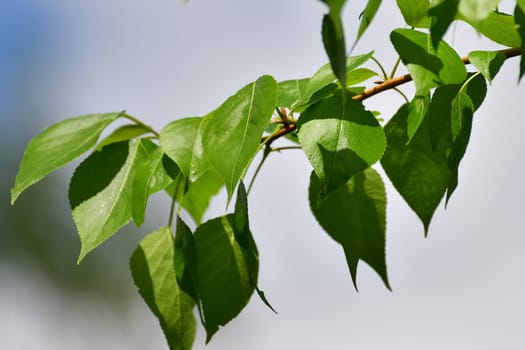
(459, 288)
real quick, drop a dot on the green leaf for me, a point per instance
(102, 204)
(150, 177)
(197, 199)
(325, 77)
(58, 145)
(367, 16)
(340, 138)
(359, 75)
(124, 133)
(291, 92)
(429, 67)
(224, 280)
(477, 10)
(334, 45)
(498, 27)
(487, 62)
(442, 13)
(153, 269)
(186, 260)
(519, 16)
(415, 12)
(231, 136)
(418, 170)
(354, 215)
(417, 109)
(178, 140)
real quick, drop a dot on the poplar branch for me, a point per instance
(383, 86)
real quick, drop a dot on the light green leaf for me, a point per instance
(429, 67)
(150, 177)
(367, 16)
(231, 136)
(415, 12)
(325, 77)
(519, 16)
(124, 133)
(340, 138)
(487, 62)
(354, 215)
(291, 92)
(498, 27)
(417, 109)
(419, 171)
(178, 140)
(197, 199)
(477, 10)
(224, 280)
(153, 269)
(101, 203)
(58, 145)
(359, 75)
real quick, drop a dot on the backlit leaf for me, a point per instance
(340, 138)
(124, 133)
(415, 12)
(477, 10)
(197, 198)
(291, 92)
(58, 145)
(498, 27)
(354, 215)
(231, 136)
(429, 67)
(101, 205)
(153, 269)
(487, 62)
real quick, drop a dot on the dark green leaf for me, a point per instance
(367, 16)
(124, 133)
(58, 145)
(340, 138)
(354, 215)
(150, 177)
(186, 260)
(224, 280)
(231, 136)
(429, 67)
(519, 16)
(418, 170)
(442, 15)
(153, 269)
(334, 44)
(487, 62)
(101, 205)
(415, 12)
(498, 27)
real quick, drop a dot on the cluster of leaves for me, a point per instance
(214, 269)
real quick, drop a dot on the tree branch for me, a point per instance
(385, 85)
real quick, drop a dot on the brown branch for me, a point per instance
(383, 86)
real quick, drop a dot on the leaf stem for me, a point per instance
(174, 199)
(140, 123)
(266, 152)
(394, 69)
(383, 71)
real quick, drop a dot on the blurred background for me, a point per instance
(460, 288)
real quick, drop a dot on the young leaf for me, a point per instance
(150, 177)
(224, 280)
(100, 208)
(417, 110)
(367, 16)
(58, 145)
(124, 133)
(153, 269)
(340, 138)
(359, 75)
(519, 16)
(419, 171)
(354, 215)
(415, 12)
(232, 134)
(498, 27)
(429, 67)
(477, 10)
(487, 62)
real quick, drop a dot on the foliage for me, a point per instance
(215, 269)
